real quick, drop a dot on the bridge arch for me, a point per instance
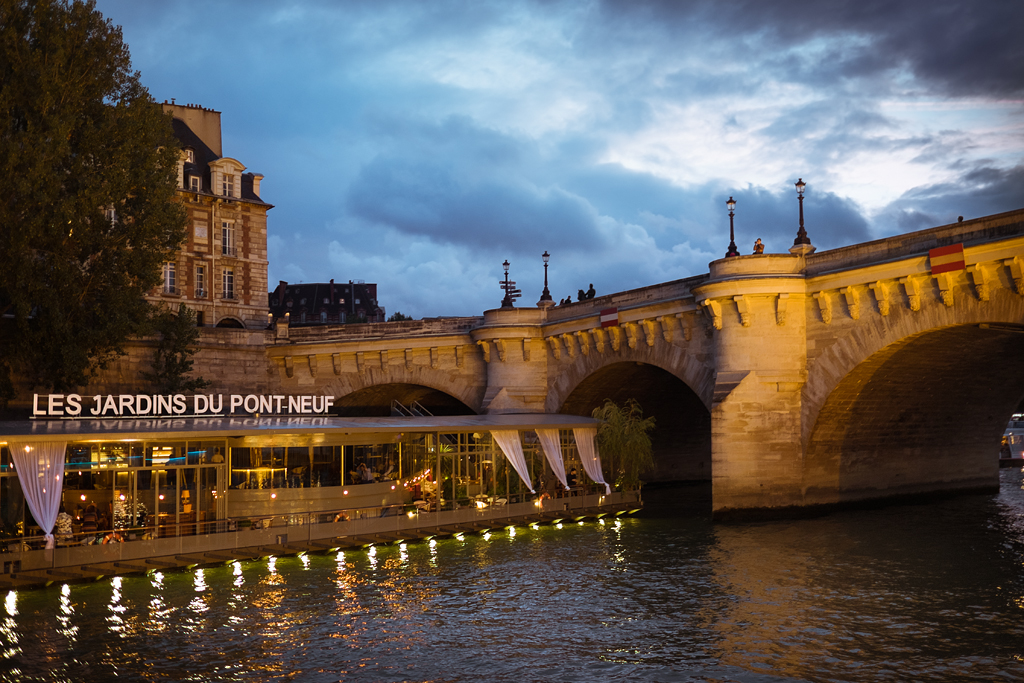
(681, 439)
(920, 398)
(376, 400)
(692, 365)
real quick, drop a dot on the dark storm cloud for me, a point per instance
(429, 199)
(957, 48)
(978, 192)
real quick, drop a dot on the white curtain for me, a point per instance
(512, 447)
(553, 450)
(40, 468)
(588, 455)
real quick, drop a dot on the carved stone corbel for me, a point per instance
(459, 356)
(945, 282)
(359, 361)
(616, 334)
(981, 281)
(742, 305)
(434, 358)
(526, 349)
(913, 289)
(556, 349)
(384, 360)
(666, 327)
(1016, 268)
(713, 310)
(631, 334)
(852, 301)
(289, 367)
(408, 359)
(311, 359)
(336, 358)
(600, 338)
(685, 321)
(825, 306)
(570, 348)
(486, 348)
(650, 331)
(584, 341)
(499, 344)
(780, 308)
(881, 291)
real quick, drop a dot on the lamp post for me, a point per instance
(801, 234)
(545, 297)
(802, 244)
(733, 251)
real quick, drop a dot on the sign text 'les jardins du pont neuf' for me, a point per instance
(121, 405)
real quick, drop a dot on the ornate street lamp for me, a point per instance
(802, 244)
(545, 297)
(733, 251)
(801, 235)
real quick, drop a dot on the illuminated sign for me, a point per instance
(121, 405)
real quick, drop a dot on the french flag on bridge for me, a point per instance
(609, 317)
(947, 259)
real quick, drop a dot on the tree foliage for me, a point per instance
(398, 316)
(623, 442)
(172, 361)
(79, 135)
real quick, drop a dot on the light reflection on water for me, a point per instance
(926, 593)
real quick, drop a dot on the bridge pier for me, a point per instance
(756, 305)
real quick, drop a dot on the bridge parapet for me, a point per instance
(987, 229)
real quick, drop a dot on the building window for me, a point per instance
(229, 284)
(227, 239)
(357, 302)
(194, 183)
(200, 282)
(169, 278)
(190, 156)
(227, 185)
(323, 316)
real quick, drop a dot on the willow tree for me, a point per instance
(623, 442)
(87, 214)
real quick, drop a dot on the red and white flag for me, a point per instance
(947, 259)
(609, 317)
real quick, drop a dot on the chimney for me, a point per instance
(256, 178)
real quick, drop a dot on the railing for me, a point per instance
(411, 511)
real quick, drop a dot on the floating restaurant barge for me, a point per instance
(157, 493)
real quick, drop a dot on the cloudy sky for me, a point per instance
(420, 144)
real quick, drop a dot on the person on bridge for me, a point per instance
(591, 292)
(758, 246)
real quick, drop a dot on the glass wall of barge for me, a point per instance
(156, 488)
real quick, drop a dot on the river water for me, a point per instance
(929, 592)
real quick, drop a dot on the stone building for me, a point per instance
(324, 303)
(220, 271)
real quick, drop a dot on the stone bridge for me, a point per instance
(788, 380)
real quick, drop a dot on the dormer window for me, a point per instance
(194, 183)
(190, 156)
(227, 185)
